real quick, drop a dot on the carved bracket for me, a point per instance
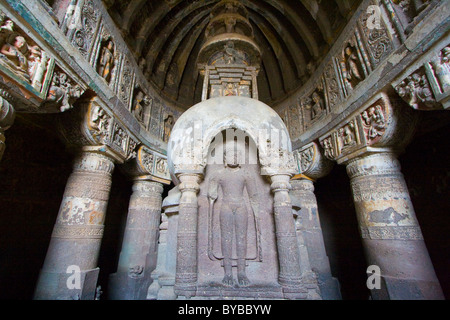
(379, 125)
(427, 87)
(311, 162)
(96, 127)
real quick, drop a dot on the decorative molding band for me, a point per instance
(391, 233)
(78, 232)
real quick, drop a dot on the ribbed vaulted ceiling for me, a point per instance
(166, 36)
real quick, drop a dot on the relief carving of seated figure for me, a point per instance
(16, 55)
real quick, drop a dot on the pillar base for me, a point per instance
(54, 286)
(123, 287)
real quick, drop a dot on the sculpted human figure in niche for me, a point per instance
(352, 64)
(106, 63)
(317, 105)
(233, 214)
(168, 124)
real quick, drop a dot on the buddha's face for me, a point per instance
(231, 159)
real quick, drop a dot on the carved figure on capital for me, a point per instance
(63, 92)
(374, 122)
(100, 121)
(328, 148)
(347, 135)
(415, 90)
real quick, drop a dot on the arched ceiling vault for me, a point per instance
(166, 36)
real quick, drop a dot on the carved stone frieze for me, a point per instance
(63, 92)
(416, 91)
(353, 69)
(126, 82)
(333, 89)
(314, 106)
(80, 24)
(381, 123)
(376, 36)
(96, 127)
(21, 59)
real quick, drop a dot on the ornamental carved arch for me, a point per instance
(194, 131)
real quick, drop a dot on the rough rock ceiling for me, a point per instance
(166, 35)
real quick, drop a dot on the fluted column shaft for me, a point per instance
(389, 229)
(78, 231)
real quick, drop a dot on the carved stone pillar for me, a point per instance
(186, 269)
(288, 252)
(312, 165)
(389, 229)
(162, 287)
(138, 254)
(7, 115)
(70, 268)
(309, 226)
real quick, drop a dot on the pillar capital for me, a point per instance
(381, 125)
(189, 182)
(311, 163)
(148, 165)
(92, 126)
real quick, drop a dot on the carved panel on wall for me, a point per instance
(106, 62)
(352, 67)
(63, 92)
(169, 121)
(376, 38)
(126, 81)
(342, 141)
(80, 24)
(140, 105)
(314, 106)
(333, 90)
(155, 118)
(295, 122)
(416, 91)
(22, 59)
